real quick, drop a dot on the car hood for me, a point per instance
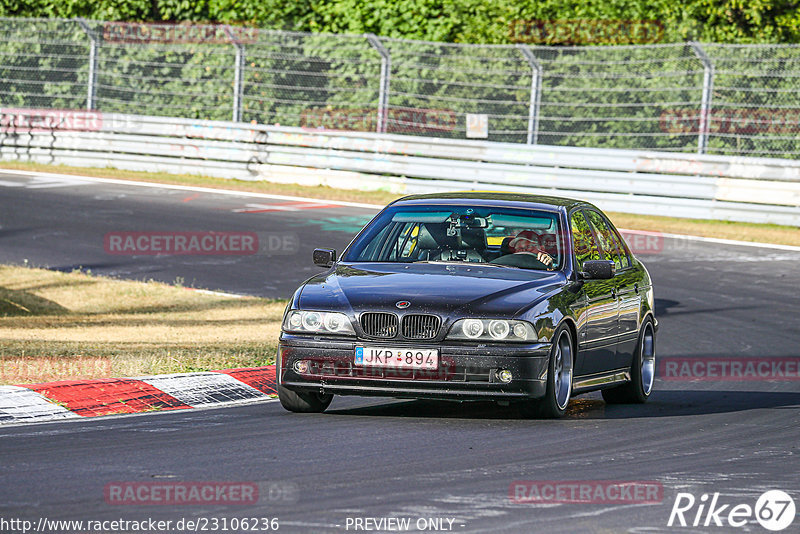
(470, 289)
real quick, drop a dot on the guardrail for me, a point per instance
(765, 190)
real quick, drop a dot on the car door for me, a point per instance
(597, 338)
(624, 285)
(629, 292)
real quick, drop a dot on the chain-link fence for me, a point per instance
(687, 97)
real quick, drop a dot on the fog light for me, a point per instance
(504, 375)
(301, 366)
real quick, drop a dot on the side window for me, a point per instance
(606, 237)
(623, 249)
(585, 246)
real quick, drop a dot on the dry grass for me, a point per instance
(765, 233)
(72, 325)
(759, 233)
(321, 192)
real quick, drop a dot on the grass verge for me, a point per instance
(56, 326)
(763, 233)
(321, 192)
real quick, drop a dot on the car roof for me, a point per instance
(495, 198)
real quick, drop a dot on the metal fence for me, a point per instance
(686, 97)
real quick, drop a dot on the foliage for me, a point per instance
(477, 21)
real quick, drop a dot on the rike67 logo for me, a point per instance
(774, 510)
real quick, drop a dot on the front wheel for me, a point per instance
(643, 371)
(306, 402)
(559, 379)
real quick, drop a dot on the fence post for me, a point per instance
(536, 94)
(92, 82)
(705, 104)
(238, 74)
(383, 91)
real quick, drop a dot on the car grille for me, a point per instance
(379, 324)
(446, 372)
(420, 326)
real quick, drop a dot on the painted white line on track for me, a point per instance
(292, 206)
(110, 417)
(18, 404)
(719, 241)
(230, 192)
(218, 293)
(38, 183)
(198, 189)
(266, 207)
(46, 182)
(50, 185)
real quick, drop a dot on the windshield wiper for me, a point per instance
(457, 262)
(503, 266)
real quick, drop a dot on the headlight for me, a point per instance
(492, 330)
(317, 322)
(499, 329)
(472, 328)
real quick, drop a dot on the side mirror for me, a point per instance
(598, 270)
(324, 257)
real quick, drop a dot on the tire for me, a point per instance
(643, 371)
(309, 402)
(559, 379)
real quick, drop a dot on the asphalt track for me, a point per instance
(382, 457)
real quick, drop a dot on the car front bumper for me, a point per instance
(466, 371)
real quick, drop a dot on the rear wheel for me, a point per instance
(306, 402)
(643, 371)
(559, 379)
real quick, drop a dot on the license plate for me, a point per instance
(404, 358)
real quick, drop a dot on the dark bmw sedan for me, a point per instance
(474, 296)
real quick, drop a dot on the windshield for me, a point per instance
(525, 239)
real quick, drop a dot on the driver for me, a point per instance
(529, 242)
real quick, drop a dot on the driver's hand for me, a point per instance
(545, 258)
